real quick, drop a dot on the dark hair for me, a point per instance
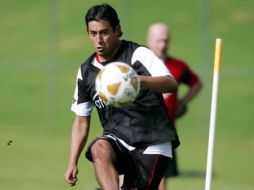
(103, 12)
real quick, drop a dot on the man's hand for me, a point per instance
(181, 109)
(71, 175)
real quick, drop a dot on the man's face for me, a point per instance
(103, 38)
(158, 40)
(159, 45)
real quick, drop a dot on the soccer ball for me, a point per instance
(117, 84)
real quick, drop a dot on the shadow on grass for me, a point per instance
(194, 174)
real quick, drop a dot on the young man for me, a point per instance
(138, 139)
(158, 39)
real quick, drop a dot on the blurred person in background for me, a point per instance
(158, 40)
(137, 139)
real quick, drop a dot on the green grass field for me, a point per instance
(44, 42)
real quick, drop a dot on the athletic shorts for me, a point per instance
(141, 171)
(172, 169)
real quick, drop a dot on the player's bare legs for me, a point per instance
(121, 178)
(103, 159)
(163, 184)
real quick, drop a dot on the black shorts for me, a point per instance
(141, 171)
(172, 169)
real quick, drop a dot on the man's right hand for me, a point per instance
(71, 175)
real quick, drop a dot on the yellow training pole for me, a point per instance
(216, 73)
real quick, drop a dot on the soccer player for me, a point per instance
(158, 40)
(137, 139)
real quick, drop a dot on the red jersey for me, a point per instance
(183, 75)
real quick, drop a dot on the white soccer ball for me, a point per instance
(117, 84)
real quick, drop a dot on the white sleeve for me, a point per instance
(151, 62)
(79, 105)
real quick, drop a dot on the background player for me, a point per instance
(158, 40)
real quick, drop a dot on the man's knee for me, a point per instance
(102, 150)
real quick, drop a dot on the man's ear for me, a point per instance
(118, 30)
(86, 30)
